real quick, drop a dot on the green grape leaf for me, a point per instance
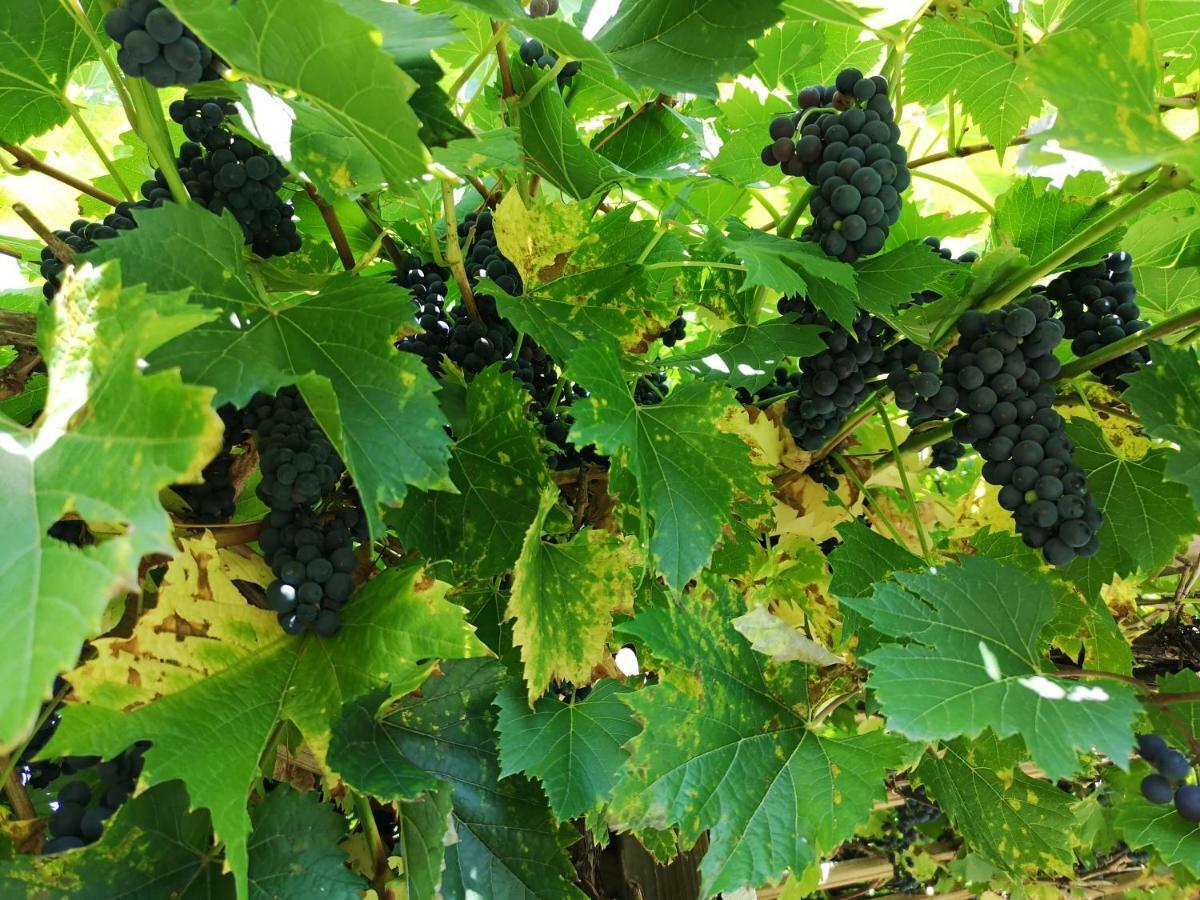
(745, 356)
(791, 46)
(684, 46)
(742, 124)
(1037, 219)
(792, 267)
(551, 141)
(563, 599)
(688, 471)
(339, 67)
(508, 845)
(1110, 114)
(496, 149)
(574, 749)
(294, 849)
(1018, 823)
(1146, 517)
(1184, 714)
(111, 437)
(1166, 397)
(1176, 28)
(1159, 235)
(843, 47)
(889, 280)
(40, 46)
(376, 405)
(1164, 292)
(970, 661)
(203, 647)
(652, 141)
(153, 847)
(865, 558)
(835, 12)
(499, 473)
(724, 750)
(989, 82)
(426, 828)
(1158, 829)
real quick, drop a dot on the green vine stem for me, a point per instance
(27, 162)
(908, 491)
(76, 11)
(454, 254)
(868, 496)
(1117, 349)
(152, 126)
(550, 76)
(788, 226)
(695, 264)
(480, 57)
(105, 160)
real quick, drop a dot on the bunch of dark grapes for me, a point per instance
(901, 831)
(156, 46)
(310, 552)
(82, 237)
(1173, 769)
(533, 53)
(1002, 368)
(223, 172)
(214, 500)
(652, 389)
(914, 375)
(540, 8)
(947, 453)
(675, 332)
(833, 382)
(86, 803)
(427, 282)
(845, 142)
(1099, 307)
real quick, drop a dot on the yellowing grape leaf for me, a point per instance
(110, 439)
(228, 700)
(563, 599)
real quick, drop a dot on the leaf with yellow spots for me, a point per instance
(563, 599)
(201, 672)
(725, 749)
(1108, 112)
(499, 475)
(688, 472)
(540, 235)
(1018, 823)
(110, 438)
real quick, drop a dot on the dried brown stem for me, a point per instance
(502, 57)
(15, 792)
(26, 160)
(61, 251)
(329, 214)
(17, 328)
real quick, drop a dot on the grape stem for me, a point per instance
(75, 9)
(151, 125)
(454, 254)
(788, 226)
(963, 150)
(366, 818)
(853, 476)
(624, 123)
(26, 160)
(98, 149)
(908, 491)
(1117, 349)
(502, 58)
(329, 215)
(61, 251)
(695, 264)
(958, 188)
(498, 33)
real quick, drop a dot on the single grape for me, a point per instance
(1157, 789)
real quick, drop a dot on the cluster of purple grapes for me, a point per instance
(845, 142)
(308, 544)
(82, 237)
(214, 499)
(1167, 783)
(156, 46)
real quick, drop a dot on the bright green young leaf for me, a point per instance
(1038, 219)
(1018, 823)
(684, 46)
(790, 47)
(658, 143)
(563, 599)
(382, 415)
(1166, 397)
(153, 847)
(1146, 517)
(190, 680)
(295, 849)
(1109, 112)
(499, 474)
(448, 734)
(338, 66)
(688, 472)
(110, 439)
(574, 749)
(971, 661)
(1176, 28)
(725, 750)
(890, 279)
(551, 141)
(40, 46)
(985, 79)
(426, 828)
